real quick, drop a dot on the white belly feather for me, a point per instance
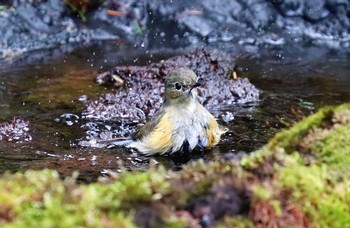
(189, 124)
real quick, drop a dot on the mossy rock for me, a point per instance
(299, 179)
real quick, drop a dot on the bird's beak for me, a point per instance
(197, 84)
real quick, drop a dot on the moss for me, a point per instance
(289, 138)
(305, 182)
(300, 179)
(337, 139)
(325, 200)
(41, 198)
(318, 185)
(262, 193)
(238, 222)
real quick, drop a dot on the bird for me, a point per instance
(182, 123)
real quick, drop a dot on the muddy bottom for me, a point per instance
(48, 95)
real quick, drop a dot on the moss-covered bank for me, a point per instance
(300, 179)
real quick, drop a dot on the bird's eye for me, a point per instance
(177, 86)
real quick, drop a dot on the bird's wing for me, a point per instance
(214, 132)
(149, 126)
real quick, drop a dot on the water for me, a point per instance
(47, 95)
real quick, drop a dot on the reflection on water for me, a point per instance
(47, 95)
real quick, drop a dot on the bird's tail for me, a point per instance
(116, 142)
(100, 143)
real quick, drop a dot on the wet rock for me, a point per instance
(42, 24)
(125, 17)
(17, 130)
(141, 94)
(291, 8)
(139, 98)
(84, 5)
(48, 24)
(256, 15)
(213, 20)
(316, 11)
(197, 24)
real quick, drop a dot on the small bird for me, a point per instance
(182, 123)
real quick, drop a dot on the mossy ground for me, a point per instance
(300, 179)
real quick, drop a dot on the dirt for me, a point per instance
(140, 88)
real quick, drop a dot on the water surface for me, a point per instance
(47, 95)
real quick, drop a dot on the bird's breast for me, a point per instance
(188, 127)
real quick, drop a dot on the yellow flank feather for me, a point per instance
(214, 132)
(160, 138)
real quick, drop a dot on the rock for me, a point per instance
(315, 10)
(291, 8)
(197, 24)
(46, 24)
(141, 94)
(42, 24)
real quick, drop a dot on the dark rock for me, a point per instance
(197, 24)
(45, 24)
(225, 14)
(132, 19)
(315, 10)
(42, 24)
(292, 8)
(333, 4)
(149, 216)
(141, 95)
(255, 14)
(234, 156)
(225, 199)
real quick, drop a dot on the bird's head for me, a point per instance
(180, 86)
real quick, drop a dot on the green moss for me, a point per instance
(289, 138)
(305, 182)
(262, 193)
(337, 140)
(256, 158)
(175, 222)
(40, 198)
(237, 221)
(325, 200)
(319, 187)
